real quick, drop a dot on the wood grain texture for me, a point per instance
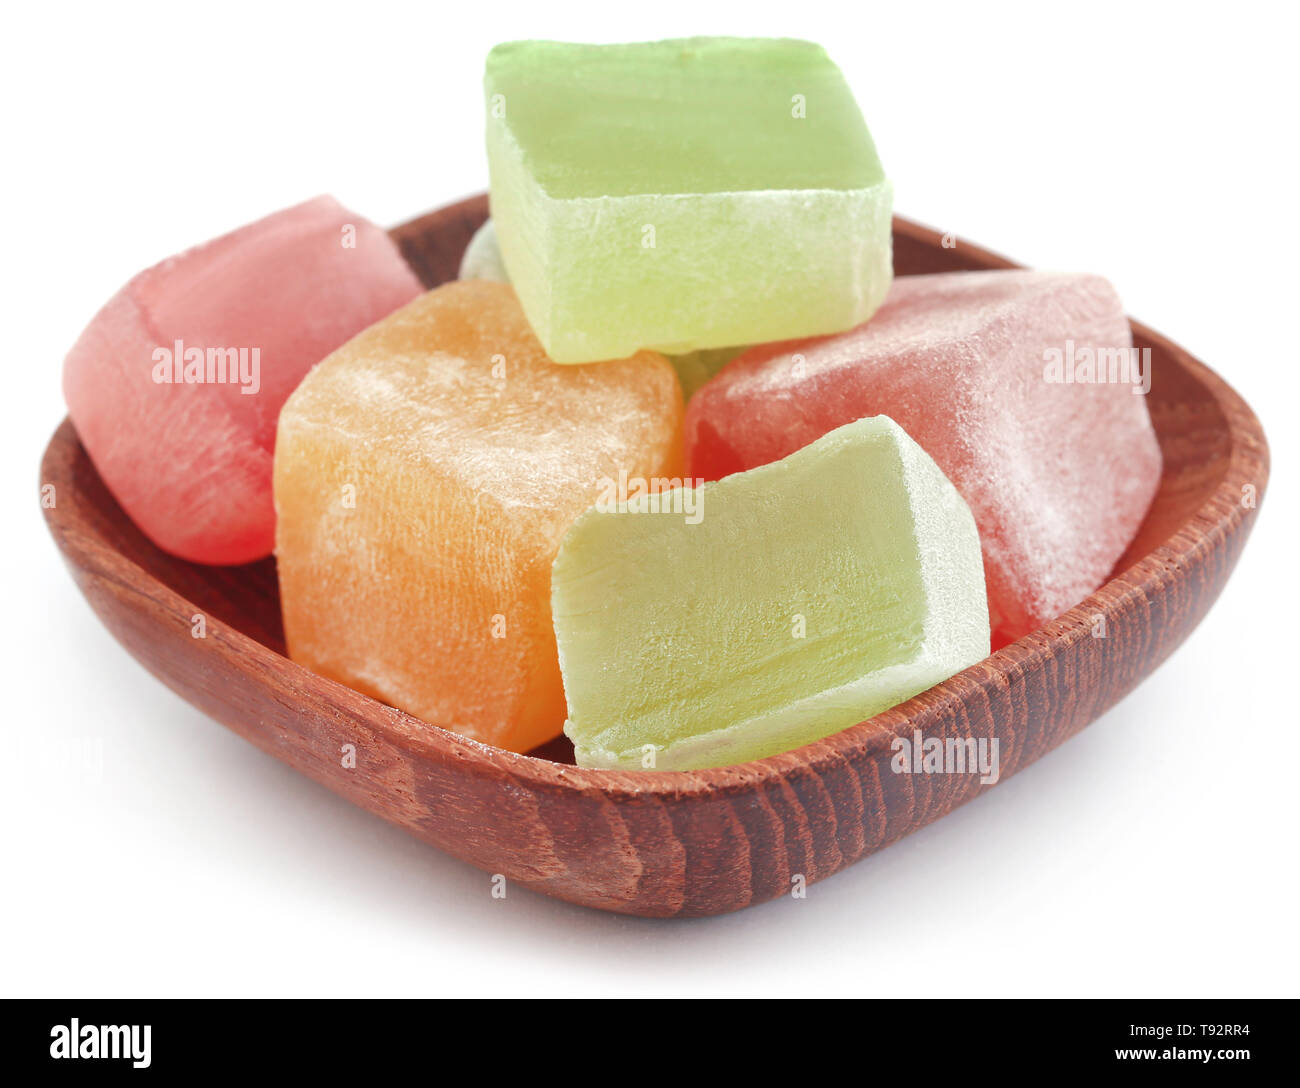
(681, 843)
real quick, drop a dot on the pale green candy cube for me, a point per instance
(769, 609)
(683, 195)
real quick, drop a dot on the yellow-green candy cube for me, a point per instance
(703, 627)
(683, 195)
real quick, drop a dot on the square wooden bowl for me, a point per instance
(699, 842)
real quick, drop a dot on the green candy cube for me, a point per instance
(703, 627)
(683, 195)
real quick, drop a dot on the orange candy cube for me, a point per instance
(425, 474)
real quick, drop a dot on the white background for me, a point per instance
(1155, 854)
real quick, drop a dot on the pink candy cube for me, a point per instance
(176, 384)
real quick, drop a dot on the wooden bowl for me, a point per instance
(681, 843)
